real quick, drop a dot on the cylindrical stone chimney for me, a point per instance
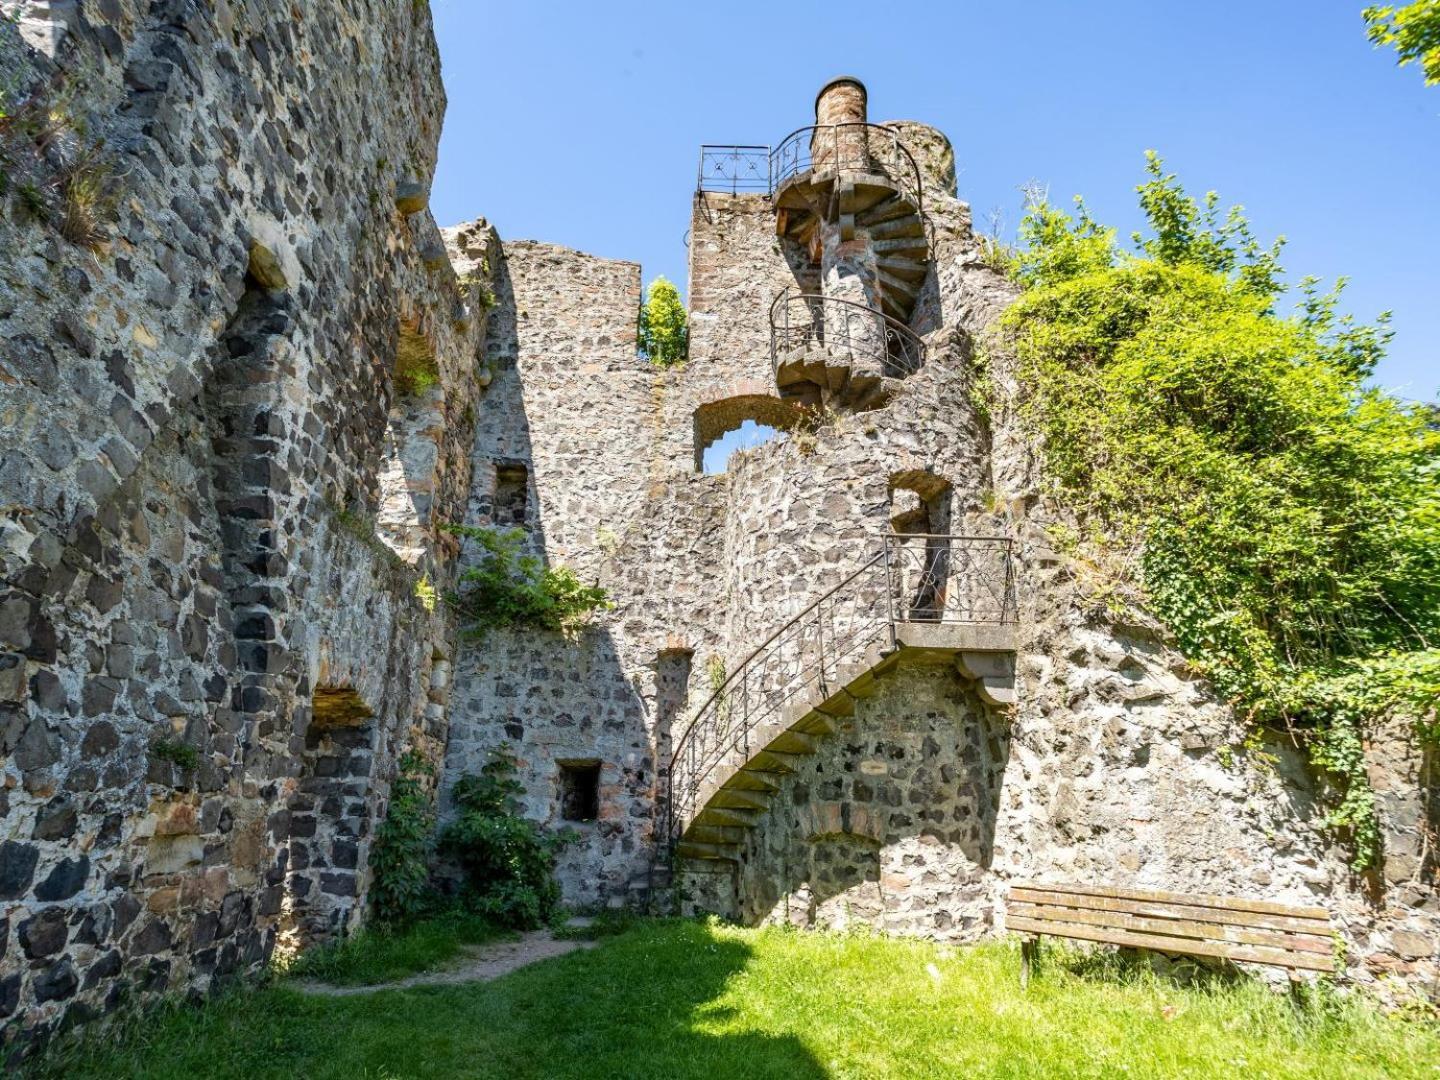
(839, 140)
(841, 101)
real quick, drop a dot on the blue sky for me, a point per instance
(580, 123)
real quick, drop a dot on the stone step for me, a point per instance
(908, 225)
(899, 287)
(701, 833)
(728, 815)
(889, 210)
(905, 269)
(860, 192)
(688, 850)
(905, 247)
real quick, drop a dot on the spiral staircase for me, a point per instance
(856, 188)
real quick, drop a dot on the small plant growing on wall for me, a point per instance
(176, 752)
(400, 856)
(664, 327)
(507, 588)
(508, 860)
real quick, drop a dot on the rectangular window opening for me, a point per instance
(579, 790)
(512, 494)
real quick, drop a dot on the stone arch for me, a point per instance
(414, 431)
(715, 419)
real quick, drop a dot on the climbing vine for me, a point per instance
(1285, 518)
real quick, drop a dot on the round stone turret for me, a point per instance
(841, 101)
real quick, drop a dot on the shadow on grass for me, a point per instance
(638, 1006)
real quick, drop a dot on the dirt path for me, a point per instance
(481, 963)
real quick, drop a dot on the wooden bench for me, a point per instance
(1249, 931)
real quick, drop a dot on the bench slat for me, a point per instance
(1173, 910)
(1177, 928)
(1244, 953)
(1224, 903)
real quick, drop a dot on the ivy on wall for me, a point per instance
(1284, 515)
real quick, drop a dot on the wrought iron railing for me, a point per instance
(920, 578)
(857, 147)
(735, 169)
(804, 320)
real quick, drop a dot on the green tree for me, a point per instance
(1413, 31)
(664, 330)
(1285, 517)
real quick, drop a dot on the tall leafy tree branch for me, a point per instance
(1285, 516)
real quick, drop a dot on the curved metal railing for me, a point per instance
(855, 147)
(801, 320)
(910, 578)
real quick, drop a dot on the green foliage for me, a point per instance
(176, 752)
(400, 855)
(384, 952)
(426, 593)
(506, 588)
(1285, 517)
(508, 860)
(54, 172)
(1414, 32)
(664, 330)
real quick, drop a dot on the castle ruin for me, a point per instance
(846, 681)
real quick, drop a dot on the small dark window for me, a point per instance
(579, 790)
(512, 494)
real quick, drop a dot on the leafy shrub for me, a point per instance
(664, 329)
(508, 860)
(400, 855)
(1285, 517)
(506, 588)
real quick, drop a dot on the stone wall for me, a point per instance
(209, 658)
(892, 824)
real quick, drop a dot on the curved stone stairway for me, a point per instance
(877, 201)
(734, 755)
(814, 375)
(736, 795)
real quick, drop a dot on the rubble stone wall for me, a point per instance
(209, 657)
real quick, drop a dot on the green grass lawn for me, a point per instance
(377, 956)
(676, 999)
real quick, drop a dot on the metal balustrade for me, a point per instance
(922, 578)
(875, 340)
(815, 149)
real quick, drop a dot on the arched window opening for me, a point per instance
(739, 423)
(716, 456)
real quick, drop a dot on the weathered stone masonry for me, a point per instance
(196, 423)
(230, 436)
